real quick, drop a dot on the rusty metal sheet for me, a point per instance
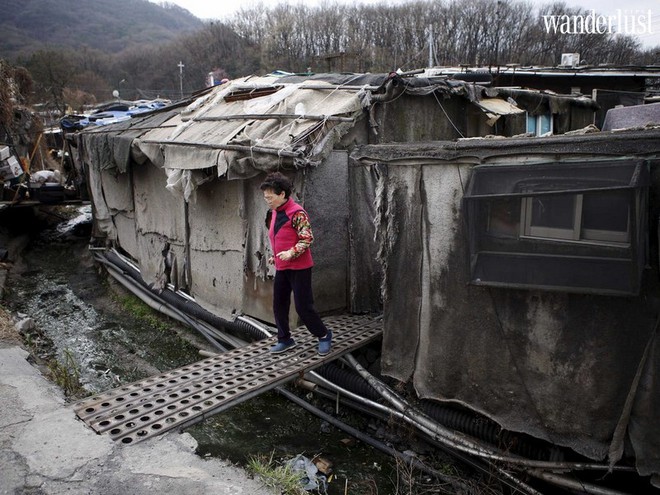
(189, 394)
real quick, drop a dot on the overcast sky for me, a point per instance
(214, 9)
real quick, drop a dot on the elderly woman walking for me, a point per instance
(290, 235)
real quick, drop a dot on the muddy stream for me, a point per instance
(82, 315)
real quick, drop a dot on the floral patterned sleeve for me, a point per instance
(301, 223)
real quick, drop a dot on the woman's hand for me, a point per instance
(286, 255)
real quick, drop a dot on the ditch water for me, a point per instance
(81, 315)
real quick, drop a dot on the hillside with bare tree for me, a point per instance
(381, 38)
(332, 37)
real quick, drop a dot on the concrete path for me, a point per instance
(45, 449)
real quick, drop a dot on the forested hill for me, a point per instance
(107, 25)
(78, 52)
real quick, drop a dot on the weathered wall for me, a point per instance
(118, 194)
(414, 118)
(112, 201)
(216, 246)
(227, 237)
(575, 118)
(557, 366)
(581, 117)
(365, 273)
(436, 117)
(326, 200)
(159, 220)
(258, 289)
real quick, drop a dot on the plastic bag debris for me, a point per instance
(312, 479)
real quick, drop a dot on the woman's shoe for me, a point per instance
(283, 346)
(325, 344)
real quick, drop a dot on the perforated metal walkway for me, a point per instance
(187, 395)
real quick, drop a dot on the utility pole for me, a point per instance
(498, 18)
(181, 66)
(431, 54)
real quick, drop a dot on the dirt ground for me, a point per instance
(8, 333)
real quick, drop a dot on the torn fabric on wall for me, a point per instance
(184, 183)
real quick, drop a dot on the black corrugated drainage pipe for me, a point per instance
(457, 484)
(385, 413)
(409, 415)
(463, 443)
(153, 302)
(239, 328)
(456, 419)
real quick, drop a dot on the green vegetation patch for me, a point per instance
(66, 375)
(140, 311)
(281, 478)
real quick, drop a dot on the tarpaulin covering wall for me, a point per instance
(217, 256)
(157, 233)
(574, 369)
(118, 194)
(365, 271)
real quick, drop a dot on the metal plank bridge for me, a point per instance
(189, 394)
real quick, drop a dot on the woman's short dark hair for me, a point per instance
(277, 182)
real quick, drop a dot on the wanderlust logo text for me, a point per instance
(625, 22)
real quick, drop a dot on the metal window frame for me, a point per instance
(537, 124)
(577, 233)
(624, 253)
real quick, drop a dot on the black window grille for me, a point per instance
(568, 226)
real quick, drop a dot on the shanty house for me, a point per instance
(517, 275)
(529, 286)
(178, 190)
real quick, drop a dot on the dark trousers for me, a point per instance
(300, 283)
